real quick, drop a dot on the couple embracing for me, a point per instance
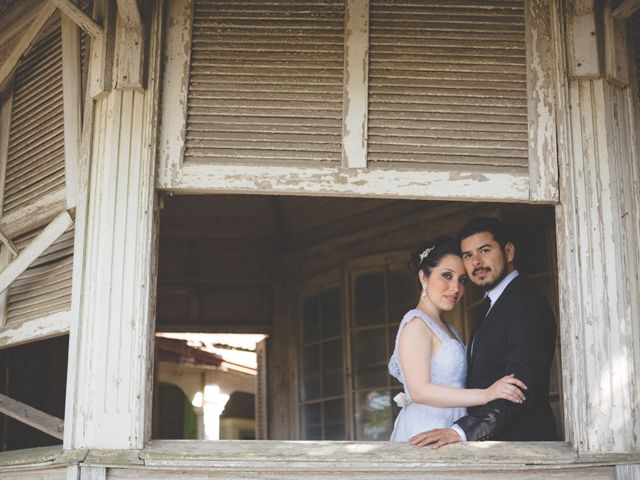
(497, 388)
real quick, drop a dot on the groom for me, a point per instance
(515, 335)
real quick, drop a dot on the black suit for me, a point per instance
(517, 336)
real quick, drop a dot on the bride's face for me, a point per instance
(445, 285)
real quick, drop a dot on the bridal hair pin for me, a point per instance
(426, 253)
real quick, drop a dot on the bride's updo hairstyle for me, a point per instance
(430, 254)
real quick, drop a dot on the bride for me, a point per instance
(429, 358)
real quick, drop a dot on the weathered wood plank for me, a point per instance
(34, 215)
(102, 50)
(626, 9)
(76, 15)
(32, 416)
(541, 83)
(356, 91)
(130, 58)
(585, 46)
(355, 455)
(453, 184)
(27, 39)
(72, 93)
(5, 129)
(175, 89)
(129, 12)
(50, 326)
(616, 57)
(37, 246)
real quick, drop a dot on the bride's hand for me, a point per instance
(507, 388)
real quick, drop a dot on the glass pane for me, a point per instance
(403, 289)
(332, 356)
(334, 418)
(369, 299)
(310, 360)
(372, 378)
(374, 419)
(312, 432)
(369, 348)
(331, 313)
(333, 384)
(311, 388)
(310, 319)
(334, 411)
(311, 415)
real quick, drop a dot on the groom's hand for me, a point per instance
(436, 438)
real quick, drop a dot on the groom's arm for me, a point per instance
(530, 336)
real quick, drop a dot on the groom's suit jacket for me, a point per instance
(517, 336)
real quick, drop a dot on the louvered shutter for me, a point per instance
(35, 171)
(447, 83)
(35, 165)
(266, 82)
(45, 287)
(634, 33)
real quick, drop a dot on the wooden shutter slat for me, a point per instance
(447, 83)
(35, 164)
(45, 287)
(261, 68)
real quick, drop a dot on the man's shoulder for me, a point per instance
(522, 292)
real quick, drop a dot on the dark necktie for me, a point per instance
(484, 309)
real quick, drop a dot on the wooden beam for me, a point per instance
(626, 9)
(8, 243)
(102, 50)
(129, 13)
(130, 57)
(25, 42)
(32, 416)
(75, 13)
(585, 46)
(37, 246)
(34, 215)
(72, 103)
(541, 101)
(5, 130)
(616, 59)
(175, 89)
(356, 84)
(49, 326)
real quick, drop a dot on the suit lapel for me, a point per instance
(477, 334)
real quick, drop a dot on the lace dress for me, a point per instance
(448, 367)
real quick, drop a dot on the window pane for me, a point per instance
(311, 388)
(331, 313)
(403, 289)
(311, 360)
(333, 384)
(374, 420)
(311, 415)
(371, 378)
(332, 356)
(370, 299)
(369, 348)
(334, 418)
(310, 319)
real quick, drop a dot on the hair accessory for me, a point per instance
(426, 253)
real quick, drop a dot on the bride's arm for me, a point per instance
(415, 350)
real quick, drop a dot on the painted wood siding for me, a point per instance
(35, 165)
(447, 83)
(266, 82)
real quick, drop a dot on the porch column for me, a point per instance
(598, 232)
(110, 354)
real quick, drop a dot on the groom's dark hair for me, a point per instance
(486, 224)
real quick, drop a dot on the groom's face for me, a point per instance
(485, 261)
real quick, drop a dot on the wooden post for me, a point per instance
(598, 225)
(356, 82)
(110, 360)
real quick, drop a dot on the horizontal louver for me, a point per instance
(447, 83)
(266, 81)
(35, 165)
(45, 287)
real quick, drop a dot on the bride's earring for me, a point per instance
(424, 291)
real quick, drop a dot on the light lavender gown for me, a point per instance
(448, 367)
